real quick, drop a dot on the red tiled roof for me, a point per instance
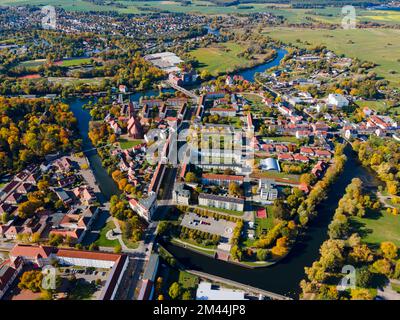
(20, 250)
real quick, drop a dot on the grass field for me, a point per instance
(32, 63)
(103, 241)
(381, 106)
(75, 62)
(231, 212)
(128, 144)
(378, 227)
(223, 58)
(380, 46)
(220, 59)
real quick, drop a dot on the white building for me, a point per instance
(337, 100)
(209, 291)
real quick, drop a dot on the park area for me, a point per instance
(377, 227)
(376, 45)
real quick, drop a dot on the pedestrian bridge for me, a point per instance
(183, 90)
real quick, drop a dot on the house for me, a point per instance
(319, 169)
(63, 165)
(267, 190)
(306, 151)
(9, 270)
(221, 202)
(145, 207)
(85, 194)
(63, 196)
(285, 157)
(337, 100)
(300, 158)
(181, 195)
(323, 154)
(221, 179)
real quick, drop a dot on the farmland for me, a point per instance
(377, 45)
(327, 15)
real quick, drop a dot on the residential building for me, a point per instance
(221, 202)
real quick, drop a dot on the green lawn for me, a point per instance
(128, 144)
(377, 45)
(291, 139)
(274, 174)
(378, 227)
(75, 62)
(210, 250)
(187, 280)
(381, 106)
(232, 212)
(32, 63)
(103, 241)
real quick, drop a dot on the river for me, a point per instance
(282, 278)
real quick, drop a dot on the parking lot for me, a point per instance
(219, 227)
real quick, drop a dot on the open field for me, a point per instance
(223, 58)
(75, 62)
(378, 227)
(380, 46)
(381, 106)
(32, 63)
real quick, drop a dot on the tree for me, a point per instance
(175, 290)
(234, 189)
(118, 248)
(279, 211)
(361, 254)
(364, 277)
(162, 227)
(262, 254)
(382, 266)
(31, 280)
(186, 295)
(389, 250)
(332, 254)
(190, 177)
(361, 294)
(35, 238)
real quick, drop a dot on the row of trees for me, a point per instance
(345, 247)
